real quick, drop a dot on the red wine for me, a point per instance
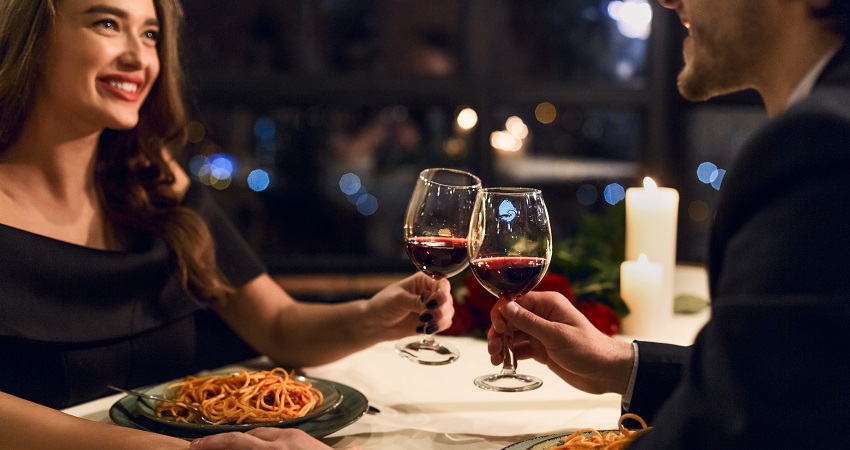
(508, 276)
(439, 257)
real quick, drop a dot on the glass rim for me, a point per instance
(511, 190)
(476, 181)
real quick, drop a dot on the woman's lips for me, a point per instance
(128, 91)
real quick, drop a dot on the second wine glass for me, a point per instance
(435, 232)
(510, 246)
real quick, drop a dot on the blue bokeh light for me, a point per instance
(258, 180)
(222, 165)
(367, 204)
(717, 178)
(350, 184)
(614, 193)
(587, 194)
(705, 171)
(264, 129)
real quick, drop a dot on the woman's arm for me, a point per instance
(29, 426)
(304, 334)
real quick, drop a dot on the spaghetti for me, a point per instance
(589, 438)
(242, 398)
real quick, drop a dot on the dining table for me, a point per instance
(414, 406)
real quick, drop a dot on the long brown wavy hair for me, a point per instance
(132, 175)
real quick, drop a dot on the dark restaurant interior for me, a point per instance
(311, 118)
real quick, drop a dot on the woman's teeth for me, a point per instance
(129, 87)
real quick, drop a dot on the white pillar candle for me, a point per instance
(651, 223)
(640, 287)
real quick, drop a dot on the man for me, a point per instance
(770, 368)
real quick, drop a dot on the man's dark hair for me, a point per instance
(837, 14)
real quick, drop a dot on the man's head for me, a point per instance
(733, 45)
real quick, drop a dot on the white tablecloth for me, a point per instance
(438, 407)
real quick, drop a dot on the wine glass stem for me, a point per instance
(509, 364)
(428, 338)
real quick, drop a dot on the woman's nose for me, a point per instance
(136, 55)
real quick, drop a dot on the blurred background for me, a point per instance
(312, 118)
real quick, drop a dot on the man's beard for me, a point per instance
(708, 76)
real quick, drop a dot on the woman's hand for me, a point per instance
(259, 439)
(413, 305)
(548, 328)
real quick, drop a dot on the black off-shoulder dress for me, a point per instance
(74, 319)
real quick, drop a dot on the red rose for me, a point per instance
(557, 283)
(473, 315)
(601, 316)
(463, 322)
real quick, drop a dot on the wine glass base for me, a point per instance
(508, 382)
(427, 352)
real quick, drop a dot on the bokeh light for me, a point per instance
(258, 180)
(633, 17)
(367, 204)
(515, 126)
(349, 184)
(698, 211)
(545, 113)
(587, 194)
(467, 118)
(195, 132)
(705, 171)
(216, 170)
(717, 178)
(614, 193)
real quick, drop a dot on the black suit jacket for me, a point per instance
(771, 368)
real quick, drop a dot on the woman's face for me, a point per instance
(100, 62)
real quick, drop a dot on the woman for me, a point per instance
(117, 269)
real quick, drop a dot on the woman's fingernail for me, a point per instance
(432, 304)
(420, 329)
(426, 317)
(431, 329)
(511, 309)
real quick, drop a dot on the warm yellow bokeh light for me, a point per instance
(545, 112)
(502, 140)
(699, 211)
(516, 127)
(195, 131)
(467, 118)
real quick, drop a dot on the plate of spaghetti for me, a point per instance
(587, 438)
(240, 401)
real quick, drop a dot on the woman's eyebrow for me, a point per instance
(117, 12)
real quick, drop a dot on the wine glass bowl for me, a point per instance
(436, 225)
(510, 247)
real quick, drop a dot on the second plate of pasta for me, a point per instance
(241, 401)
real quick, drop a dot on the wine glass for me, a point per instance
(510, 246)
(435, 229)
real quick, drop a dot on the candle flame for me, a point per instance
(643, 259)
(650, 185)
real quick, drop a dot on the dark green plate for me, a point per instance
(126, 412)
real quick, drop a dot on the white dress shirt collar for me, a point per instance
(804, 88)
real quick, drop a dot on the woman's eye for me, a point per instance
(151, 35)
(108, 24)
